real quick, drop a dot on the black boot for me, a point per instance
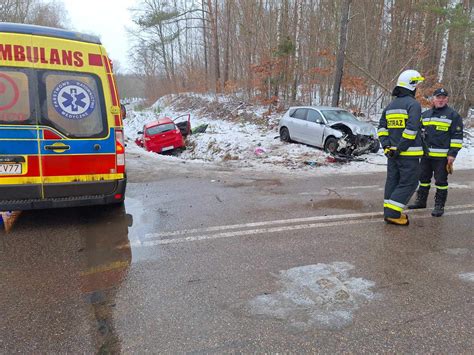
(440, 200)
(421, 197)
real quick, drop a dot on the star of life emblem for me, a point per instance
(73, 99)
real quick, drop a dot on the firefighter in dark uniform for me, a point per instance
(443, 134)
(400, 136)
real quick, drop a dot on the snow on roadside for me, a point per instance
(241, 144)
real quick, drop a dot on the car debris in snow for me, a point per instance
(236, 133)
(200, 129)
(259, 151)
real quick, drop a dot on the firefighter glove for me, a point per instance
(390, 152)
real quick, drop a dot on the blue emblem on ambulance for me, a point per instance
(73, 99)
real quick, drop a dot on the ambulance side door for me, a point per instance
(77, 144)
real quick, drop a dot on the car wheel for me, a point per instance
(331, 145)
(375, 147)
(285, 135)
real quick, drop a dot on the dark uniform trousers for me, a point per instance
(401, 183)
(436, 166)
(398, 131)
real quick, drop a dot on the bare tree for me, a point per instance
(44, 13)
(283, 51)
(346, 4)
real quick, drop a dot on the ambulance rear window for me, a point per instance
(73, 104)
(15, 103)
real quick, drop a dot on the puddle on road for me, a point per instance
(315, 296)
(105, 256)
(337, 203)
(85, 255)
(144, 221)
(255, 183)
(137, 219)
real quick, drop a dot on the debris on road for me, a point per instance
(259, 151)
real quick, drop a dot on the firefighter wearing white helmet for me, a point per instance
(409, 79)
(400, 135)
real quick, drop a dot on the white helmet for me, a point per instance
(409, 79)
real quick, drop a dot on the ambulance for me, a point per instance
(61, 131)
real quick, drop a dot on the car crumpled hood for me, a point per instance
(363, 128)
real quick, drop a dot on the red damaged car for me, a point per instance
(161, 136)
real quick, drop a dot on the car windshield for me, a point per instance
(339, 115)
(160, 128)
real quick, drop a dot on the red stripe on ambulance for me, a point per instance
(95, 60)
(57, 165)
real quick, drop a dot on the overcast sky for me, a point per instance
(106, 19)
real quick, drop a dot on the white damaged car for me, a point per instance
(334, 129)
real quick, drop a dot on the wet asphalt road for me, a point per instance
(178, 269)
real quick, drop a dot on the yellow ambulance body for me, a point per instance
(61, 133)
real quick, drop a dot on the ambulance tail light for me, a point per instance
(120, 151)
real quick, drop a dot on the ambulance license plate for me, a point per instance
(10, 169)
(167, 148)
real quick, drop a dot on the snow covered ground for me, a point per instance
(230, 140)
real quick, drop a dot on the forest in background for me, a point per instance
(35, 12)
(281, 52)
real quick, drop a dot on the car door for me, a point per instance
(298, 125)
(20, 173)
(314, 128)
(77, 147)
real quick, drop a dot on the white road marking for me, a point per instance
(361, 187)
(281, 221)
(273, 230)
(459, 186)
(261, 224)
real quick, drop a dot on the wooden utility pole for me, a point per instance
(346, 4)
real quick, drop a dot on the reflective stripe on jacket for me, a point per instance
(443, 132)
(400, 125)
